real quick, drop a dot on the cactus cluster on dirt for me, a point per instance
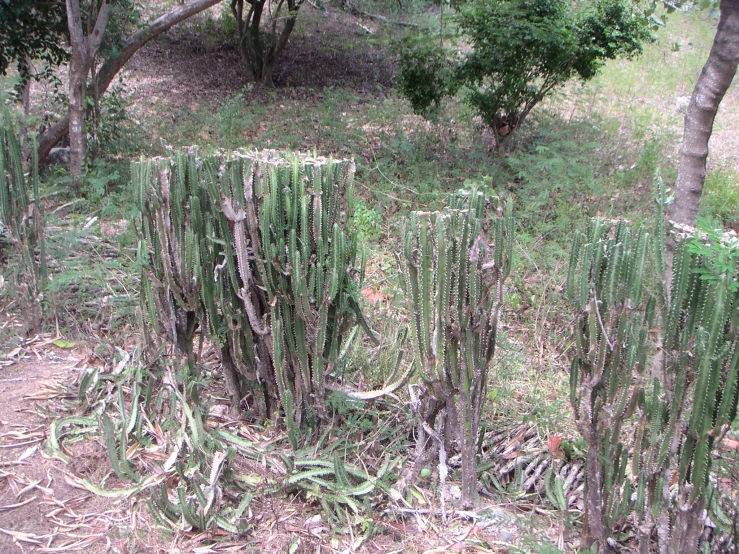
(456, 262)
(255, 249)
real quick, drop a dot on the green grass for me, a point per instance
(644, 92)
(720, 201)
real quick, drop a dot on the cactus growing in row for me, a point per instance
(666, 416)
(174, 252)
(456, 262)
(606, 285)
(298, 266)
(21, 214)
(257, 245)
(695, 402)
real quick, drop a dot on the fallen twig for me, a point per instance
(359, 13)
(18, 505)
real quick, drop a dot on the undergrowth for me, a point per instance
(590, 151)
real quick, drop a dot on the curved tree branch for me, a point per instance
(111, 66)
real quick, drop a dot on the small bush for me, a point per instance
(517, 52)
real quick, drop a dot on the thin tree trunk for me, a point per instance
(112, 66)
(593, 489)
(77, 82)
(84, 50)
(709, 90)
(688, 528)
(25, 98)
(259, 62)
(276, 51)
(77, 89)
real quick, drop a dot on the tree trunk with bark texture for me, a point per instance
(709, 90)
(688, 528)
(77, 89)
(112, 66)
(84, 50)
(260, 56)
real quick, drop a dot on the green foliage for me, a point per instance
(520, 50)
(32, 30)
(22, 218)
(111, 131)
(367, 221)
(719, 255)
(343, 490)
(233, 120)
(720, 199)
(424, 77)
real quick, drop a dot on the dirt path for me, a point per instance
(43, 507)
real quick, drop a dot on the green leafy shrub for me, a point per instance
(111, 129)
(424, 76)
(517, 51)
(367, 221)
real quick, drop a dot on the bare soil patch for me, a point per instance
(327, 49)
(43, 508)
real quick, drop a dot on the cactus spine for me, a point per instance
(455, 264)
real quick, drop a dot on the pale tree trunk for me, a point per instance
(84, 50)
(25, 98)
(709, 90)
(77, 89)
(111, 66)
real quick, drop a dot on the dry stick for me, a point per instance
(359, 13)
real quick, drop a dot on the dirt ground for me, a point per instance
(328, 49)
(43, 506)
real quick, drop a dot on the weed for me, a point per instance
(233, 120)
(720, 199)
(111, 130)
(367, 221)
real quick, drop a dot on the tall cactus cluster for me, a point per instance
(606, 285)
(655, 380)
(21, 215)
(456, 262)
(255, 248)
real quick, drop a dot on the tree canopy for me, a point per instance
(32, 30)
